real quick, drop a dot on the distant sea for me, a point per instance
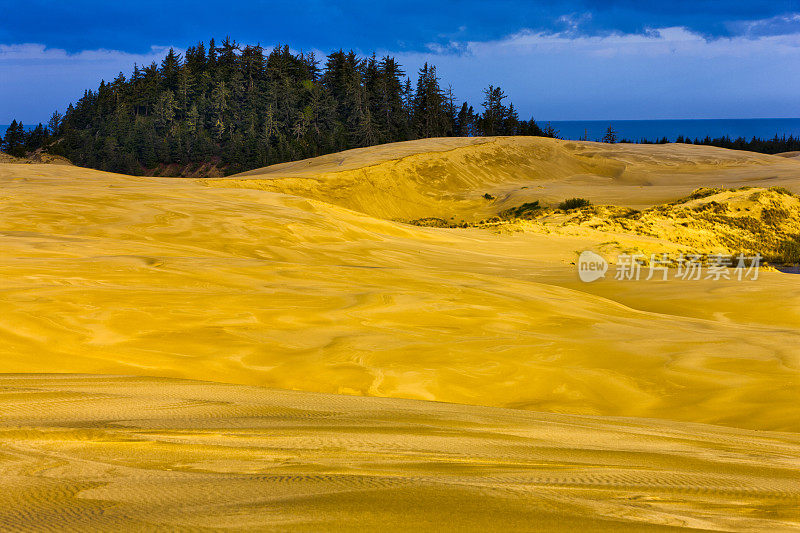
(635, 130)
(4, 127)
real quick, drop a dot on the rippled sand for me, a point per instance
(250, 283)
(97, 452)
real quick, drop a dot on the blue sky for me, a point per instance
(558, 60)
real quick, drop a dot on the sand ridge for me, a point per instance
(448, 177)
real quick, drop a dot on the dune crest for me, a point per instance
(448, 177)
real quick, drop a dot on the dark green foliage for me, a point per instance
(574, 203)
(14, 141)
(430, 112)
(522, 211)
(241, 107)
(495, 112)
(497, 119)
(610, 136)
(488, 196)
(775, 145)
(702, 192)
(548, 131)
(432, 222)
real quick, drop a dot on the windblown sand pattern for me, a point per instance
(104, 452)
(301, 277)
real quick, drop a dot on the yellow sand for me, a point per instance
(111, 274)
(448, 177)
(110, 453)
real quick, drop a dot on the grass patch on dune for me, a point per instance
(436, 222)
(574, 203)
(526, 210)
(782, 190)
(703, 192)
(787, 253)
(748, 220)
(774, 216)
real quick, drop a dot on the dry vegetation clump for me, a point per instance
(526, 210)
(574, 203)
(747, 220)
(37, 157)
(732, 221)
(435, 222)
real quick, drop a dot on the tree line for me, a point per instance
(774, 145)
(243, 107)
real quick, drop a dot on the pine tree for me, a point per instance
(54, 124)
(165, 110)
(610, 135)
(170, 69)
(391, 108)
(550, 131)
(193, 120)
(220, 99)
(36, 138)
(464, 121)
(429, 111)
(495, 113)
(511, 121)
(14, 141)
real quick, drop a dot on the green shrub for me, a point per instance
(704, 192)
(526, 209)
(431, 222)
(574, 203)
(782, 190)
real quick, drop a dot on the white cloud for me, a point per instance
(781, 24)
(35, 80)
(664, 73)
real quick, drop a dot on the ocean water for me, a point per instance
(635, 130)
(764, 128)
(4, 127)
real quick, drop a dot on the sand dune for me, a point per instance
(104, 273)
(103, 453)
(165, 277)
(294, 277)
(448, 177)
